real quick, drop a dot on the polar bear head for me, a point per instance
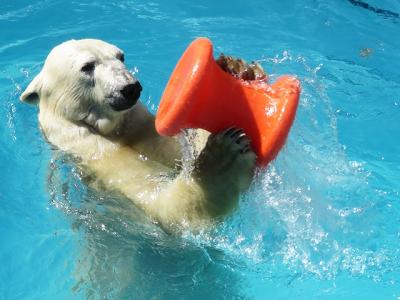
(85, 82)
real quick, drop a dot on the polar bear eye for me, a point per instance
(121, 57)
(88, 67)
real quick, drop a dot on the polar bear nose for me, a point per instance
(130, 95)
(132, 91)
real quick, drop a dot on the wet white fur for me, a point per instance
(121, 148)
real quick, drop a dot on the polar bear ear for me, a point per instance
(31, 94)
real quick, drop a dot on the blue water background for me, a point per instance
(322, 222)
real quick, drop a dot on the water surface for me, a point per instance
(322, 222)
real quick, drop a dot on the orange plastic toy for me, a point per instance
(200, 94)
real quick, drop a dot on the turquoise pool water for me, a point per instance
(322, 222)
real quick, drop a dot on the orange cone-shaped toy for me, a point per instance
(200, 94)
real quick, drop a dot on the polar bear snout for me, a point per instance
(130, 94)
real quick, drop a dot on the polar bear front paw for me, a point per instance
(227, 159)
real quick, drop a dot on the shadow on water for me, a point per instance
(382, 12)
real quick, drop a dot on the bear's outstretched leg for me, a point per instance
(224, 168)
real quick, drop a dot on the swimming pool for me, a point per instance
(322, 222)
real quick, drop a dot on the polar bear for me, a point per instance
(88, 107)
